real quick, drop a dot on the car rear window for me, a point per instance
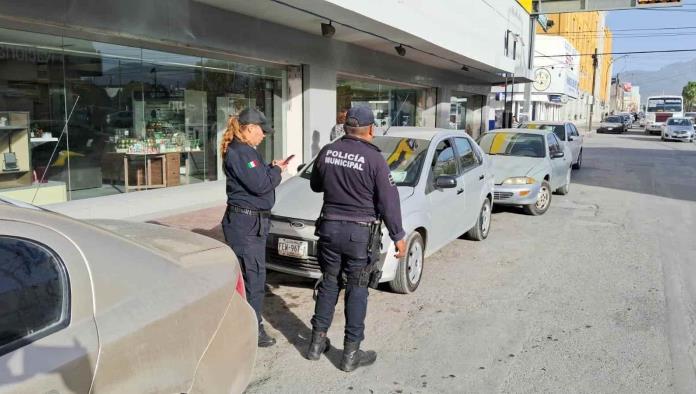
(513, 144)
(405, 157)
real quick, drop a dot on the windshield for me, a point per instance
(557, 129)
(405, 157)
(513, 144)
(679, 122)
(613, 119)
(665, 105)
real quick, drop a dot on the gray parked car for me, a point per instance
(528, 166)
(566, 132)
(446, 188)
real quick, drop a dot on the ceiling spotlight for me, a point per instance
(465, 68)
(327, 29)
(400, 50)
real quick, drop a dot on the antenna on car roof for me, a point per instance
(398, 110)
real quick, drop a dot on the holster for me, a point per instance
(373, 271)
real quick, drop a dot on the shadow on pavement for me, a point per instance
(278, 312)
(664, 172)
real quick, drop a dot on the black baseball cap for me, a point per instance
(360, 116)
(254, 116)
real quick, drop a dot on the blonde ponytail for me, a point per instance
(232, 132)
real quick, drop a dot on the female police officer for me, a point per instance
(250, 196)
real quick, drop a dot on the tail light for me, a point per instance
(240, 286)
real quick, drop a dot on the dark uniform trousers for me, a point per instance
(342, 248)
(246, 235)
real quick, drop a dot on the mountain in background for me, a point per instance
(669, 79)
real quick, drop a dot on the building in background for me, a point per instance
(556, 83)
(585, 31)
(147, 87)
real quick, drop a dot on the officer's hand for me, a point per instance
(280, 164)
(400, 249)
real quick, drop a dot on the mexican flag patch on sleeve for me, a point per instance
(252, 164)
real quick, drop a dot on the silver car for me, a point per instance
(528, 166)
(678, 129)
(566, 132)
(118, 307)
(446, 189)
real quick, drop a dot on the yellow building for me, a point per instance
(587, 31)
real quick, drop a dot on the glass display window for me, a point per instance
(104, 119)
(392, 105)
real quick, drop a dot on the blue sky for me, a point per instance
(653, 39)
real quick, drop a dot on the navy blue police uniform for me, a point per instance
(250, 188)
(357, 187)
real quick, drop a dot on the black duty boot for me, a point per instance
(320, 344)
(354, 358)
(264, 339)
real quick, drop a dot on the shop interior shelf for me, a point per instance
(12, 128)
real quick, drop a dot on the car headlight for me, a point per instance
(519, 180)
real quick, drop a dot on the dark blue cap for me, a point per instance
(254, 116)
(360, 116)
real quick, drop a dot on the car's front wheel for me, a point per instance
(565, 189)
(483, 225)
(542, 203)
(410, 269)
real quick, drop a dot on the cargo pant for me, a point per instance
(246, 235)
(342, 248)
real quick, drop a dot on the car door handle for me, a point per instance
(460, 191)
(481, 177)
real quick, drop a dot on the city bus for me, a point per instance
(659, 109)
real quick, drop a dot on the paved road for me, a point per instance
(595, 296)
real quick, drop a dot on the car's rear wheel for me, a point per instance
(410, 269)
(483, 225)
(577, 165)
(542, 203)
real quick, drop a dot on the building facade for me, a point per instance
(586, 32)
(114, 96)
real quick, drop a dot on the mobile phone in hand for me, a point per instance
(287, 160)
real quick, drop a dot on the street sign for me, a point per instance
(565, 6)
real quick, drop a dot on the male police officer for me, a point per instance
(358, 188)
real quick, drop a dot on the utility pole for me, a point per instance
(594, 78)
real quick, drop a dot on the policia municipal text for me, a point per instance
(358, 190)
(251, 187)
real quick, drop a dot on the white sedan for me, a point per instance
(528, 166)
(446, 189)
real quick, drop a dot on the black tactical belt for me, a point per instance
(250, 212)
(361, 224)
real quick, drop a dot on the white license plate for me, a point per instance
(292, 248)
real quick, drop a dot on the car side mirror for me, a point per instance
(557, 155)
(445, 182)
(300, 167)
(571, 138)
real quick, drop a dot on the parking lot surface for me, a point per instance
(597, 295)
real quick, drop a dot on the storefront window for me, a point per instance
(137, 119)
(392, 105)
(466, 113)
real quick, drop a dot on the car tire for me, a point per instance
(410, 269)
(578, 164)
(662, 137)
(543, 201)
(483, 225)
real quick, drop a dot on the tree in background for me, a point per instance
(689, 95)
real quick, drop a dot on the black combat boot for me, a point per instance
(264, 339)
(354, 358)
(320, 344)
